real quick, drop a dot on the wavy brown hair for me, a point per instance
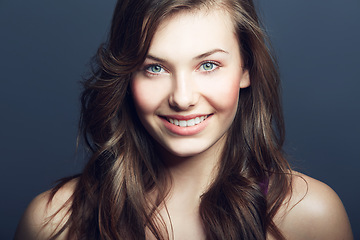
(111, 197)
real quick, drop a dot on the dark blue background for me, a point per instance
(45, 47)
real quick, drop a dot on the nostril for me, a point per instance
(182, 101)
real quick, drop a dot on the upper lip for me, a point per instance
(184, 117)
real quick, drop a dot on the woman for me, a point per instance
(184, 123)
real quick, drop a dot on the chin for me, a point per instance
(185, 154)
(182, 153)
(188, 151)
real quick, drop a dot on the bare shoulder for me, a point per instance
(38, 222)
(314, 211)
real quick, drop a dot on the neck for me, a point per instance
(194, 173)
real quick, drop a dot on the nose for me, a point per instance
(184, 94)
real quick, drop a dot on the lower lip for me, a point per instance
(186, 131)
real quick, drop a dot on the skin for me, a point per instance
(184, 86)
(186, 77)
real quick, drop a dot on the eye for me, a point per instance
(208, 66)
(154, 69)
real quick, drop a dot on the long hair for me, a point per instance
(110, 200)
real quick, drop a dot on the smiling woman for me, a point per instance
(185, 126)
(192, 73)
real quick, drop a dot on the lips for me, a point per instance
(187, 123)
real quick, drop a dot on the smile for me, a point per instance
(187, 123)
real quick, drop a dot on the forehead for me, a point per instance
(194, 32)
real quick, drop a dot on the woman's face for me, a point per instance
(187, 90)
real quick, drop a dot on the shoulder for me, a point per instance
(314, 211)
(43, 217)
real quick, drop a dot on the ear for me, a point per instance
(245, 79)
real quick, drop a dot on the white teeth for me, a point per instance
(182, 123)
(197, 120)
(191, 122)
(188, 123)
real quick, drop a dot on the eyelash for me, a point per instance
(216, 66)
(148, 72)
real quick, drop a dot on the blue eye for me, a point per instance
(208, 66)
(155, 69)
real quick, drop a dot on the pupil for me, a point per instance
(156, 68)
(208, 66)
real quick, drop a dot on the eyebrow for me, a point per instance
(209, 53)
(201, 56)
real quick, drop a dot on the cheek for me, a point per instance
(230, 101)
(140, 96)
(146, 95)
(226, 95)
